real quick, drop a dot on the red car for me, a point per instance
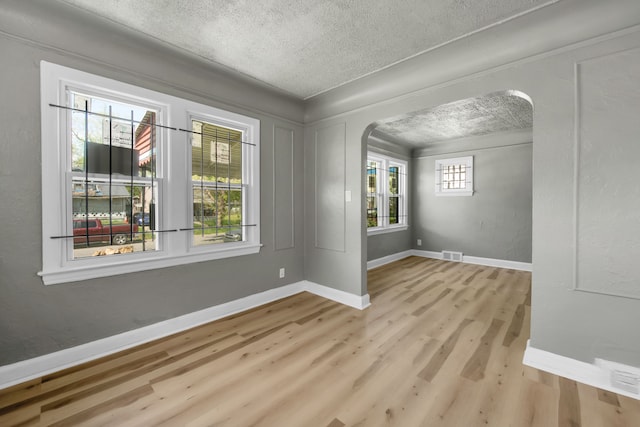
(116, 234)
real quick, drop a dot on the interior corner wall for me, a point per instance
(36, 319)
(495, 222)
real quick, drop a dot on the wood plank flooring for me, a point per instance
(441, 345)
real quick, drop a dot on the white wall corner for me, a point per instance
(596, 375)
(374, 263)
(356, 301)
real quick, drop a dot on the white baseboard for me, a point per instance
(489, 262)
(356, 301)
(596, 375)
(36, 367)
(426, 254)
(374, 263)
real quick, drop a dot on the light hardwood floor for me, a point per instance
(442, 344)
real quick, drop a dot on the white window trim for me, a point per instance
(441, 163)
(383, 196)
(173, 173)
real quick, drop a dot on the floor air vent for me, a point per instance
(451, 256)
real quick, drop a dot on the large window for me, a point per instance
(386, 194)
(134, 179)
(454, 177)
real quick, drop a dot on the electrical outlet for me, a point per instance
(282, 272)
(419, 242)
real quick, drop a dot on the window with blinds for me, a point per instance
(216, 168)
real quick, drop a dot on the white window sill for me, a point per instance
(384, 230)
(123, 266)
(454, 193)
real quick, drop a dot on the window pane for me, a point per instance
(372, 211)
(454, 177)
(393, 210)
(372, 177)
(217, 215)
(393, 180)
(118, 140)
(110, 137)
(112, 219)
(216, 162)
(216, 153)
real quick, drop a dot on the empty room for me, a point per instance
(334, 213)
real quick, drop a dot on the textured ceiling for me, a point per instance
(499, 112)
(306, 47)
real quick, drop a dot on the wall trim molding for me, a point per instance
(221, 102)
(489, 262)
(375, 263)
(356, 301)
(596, 375)
(36, 367)
(314, 118)
(478, 143)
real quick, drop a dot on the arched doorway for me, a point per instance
(468, 185)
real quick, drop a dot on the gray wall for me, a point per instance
(575, 312)
(382, 245)
(493, 223)
(36, 319)
(585, 282)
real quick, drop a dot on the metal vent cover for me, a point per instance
(452, 256)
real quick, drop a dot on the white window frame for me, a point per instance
(173, 175)
(383, 194)
(441, 164)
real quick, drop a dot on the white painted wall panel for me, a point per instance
(283, 193)
(608, 191)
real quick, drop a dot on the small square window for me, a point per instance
(454, 177)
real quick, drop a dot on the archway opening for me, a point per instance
(466, 189)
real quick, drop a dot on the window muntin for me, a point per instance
(155, 181)
(454, 177)
(386, 193)
(113, 175)
(394, 195)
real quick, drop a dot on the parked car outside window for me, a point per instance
(138, 218)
